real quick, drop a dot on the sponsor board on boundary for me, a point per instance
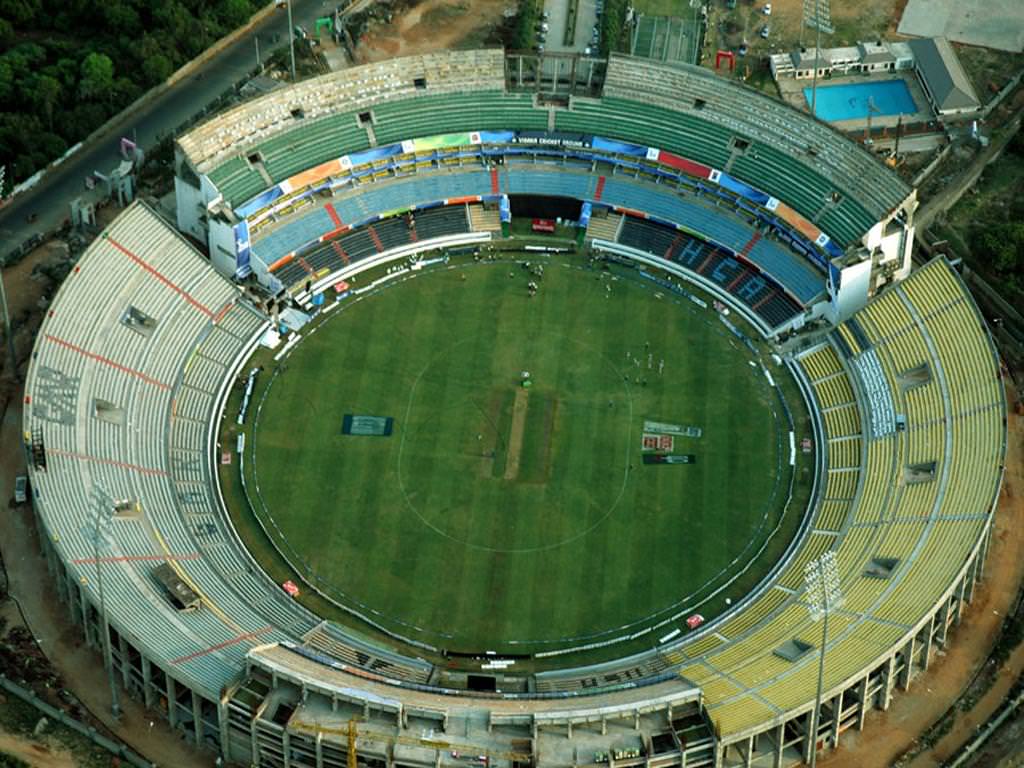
(662, 428)
(662, 443)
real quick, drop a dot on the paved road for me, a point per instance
(51, 197)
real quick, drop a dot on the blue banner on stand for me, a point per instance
(505, 209)
(585, 215)
(243, 251)
(619, 147)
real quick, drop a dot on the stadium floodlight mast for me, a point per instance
(291, 38)
(823, 594)
(818, 16)
(12, 361)
(104, 502)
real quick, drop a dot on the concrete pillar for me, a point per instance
(833, 732)
(91, 637)
(944, 626)
(172, 702)
(197, 717)
(490, 721)
(72, 596)
(810, 738)
(254, 742)
(636, 720)
(780, 737)
(222, 727)
(887, 694)
(286, 748)
(122, 648)
(334, 703)
(604, 725)
(444, 721)
(750, 753)
(862, 710)
(319, 749)
(927, 653)
(403, 721)
(147, 683)
(908, 666)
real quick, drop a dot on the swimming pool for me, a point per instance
(850, 101)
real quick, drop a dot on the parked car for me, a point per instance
(767, 9)
(765, 31)
(20, 489)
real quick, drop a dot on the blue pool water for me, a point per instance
(850, 101)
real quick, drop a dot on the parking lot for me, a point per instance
(558, 19)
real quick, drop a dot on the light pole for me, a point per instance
(108, 656)
(818, 15)
(823, 594)
(291, 38)
(8, 332)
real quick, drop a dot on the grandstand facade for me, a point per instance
(277, 177)
(294, 191)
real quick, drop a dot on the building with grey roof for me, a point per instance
(945, 83)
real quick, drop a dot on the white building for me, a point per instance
(868, 58)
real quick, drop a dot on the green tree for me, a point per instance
(7, 81)
(46, 93)
(97, 77)
(20, 12)
(121, 17)
(234, 13)
(6, 32)
(157, 68)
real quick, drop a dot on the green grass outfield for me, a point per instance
(519, 520)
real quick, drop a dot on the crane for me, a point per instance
(352, 743)
(894, 158)
(871, 110)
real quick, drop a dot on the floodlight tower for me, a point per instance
(823, 595)
(291, 38)
(12, 360)
(818, 16)
(105, 503)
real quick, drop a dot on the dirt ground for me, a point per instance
(433, 25)
(888, 735)
(35, 754)
(862, 20)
